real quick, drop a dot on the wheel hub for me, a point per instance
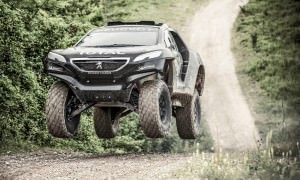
(162, 109)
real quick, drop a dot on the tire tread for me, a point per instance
(55, 107)
(149, 109)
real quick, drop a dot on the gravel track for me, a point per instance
(63, 166)
(225, 108)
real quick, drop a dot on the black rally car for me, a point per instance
(125, 67)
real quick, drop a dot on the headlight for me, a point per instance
(56, 57)
(54, 67)
(147, 56)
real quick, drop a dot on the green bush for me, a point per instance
(29, 29)
(266, 42)
(271, 29)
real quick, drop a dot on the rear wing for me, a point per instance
(150, 23)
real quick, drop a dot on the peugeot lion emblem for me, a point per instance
(99, 65)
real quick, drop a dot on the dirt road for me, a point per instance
(225, 109)
(41, 166)
(228, 115)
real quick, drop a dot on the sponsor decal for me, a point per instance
(141, 68)
(99, 72)
(122, 29)
(106, 52)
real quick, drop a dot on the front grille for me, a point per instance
(90, 64)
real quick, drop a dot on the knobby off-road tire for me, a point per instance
(105, 126)
(155, 109)
(188, 118)
(59, 101)
(200, 80)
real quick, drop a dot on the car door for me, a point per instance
(170, 43)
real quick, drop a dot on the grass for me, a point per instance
(265, 44)
(246, 165)
(173, 12)
(262, 164)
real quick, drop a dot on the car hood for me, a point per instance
(92, 52)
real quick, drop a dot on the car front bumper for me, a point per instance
(102, 93)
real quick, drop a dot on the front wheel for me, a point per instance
(60, 104)
(188, 118)
(155, 109)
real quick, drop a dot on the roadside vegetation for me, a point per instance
(266, 43)
(237, 166)
(28, 30)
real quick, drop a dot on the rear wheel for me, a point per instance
(105, 123)
(188, 118)
(155, 109)
(60, 104)
(200, 80)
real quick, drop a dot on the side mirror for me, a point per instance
(171, 58)
(169, 55)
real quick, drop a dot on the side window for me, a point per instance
(170, 43)
(183, 50)
(167, 40)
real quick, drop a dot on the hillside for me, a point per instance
(266, 43)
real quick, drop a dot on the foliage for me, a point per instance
(266, 43)
(260, 164)
(29, 29)
(271, 29)
(247, 165)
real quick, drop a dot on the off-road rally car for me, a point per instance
(143, 67)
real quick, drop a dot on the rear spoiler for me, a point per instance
(150, 23)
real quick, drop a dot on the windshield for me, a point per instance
(124, 36)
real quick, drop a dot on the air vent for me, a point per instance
(100, 64)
